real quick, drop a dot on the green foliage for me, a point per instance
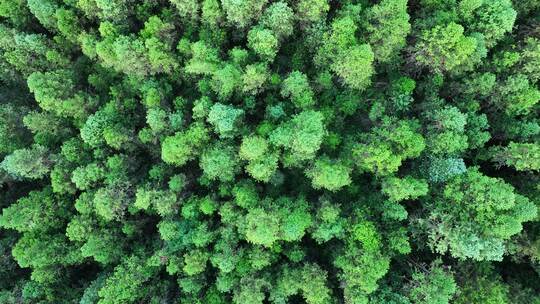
(329, 175)
(312, 10)
(398, 189)
(242, 12)
(309, 281)
(279, 18)
(530, 58)
(204, 59)
(182, 147)
(443, 169)
(125, 284)
(110, 203)
(328, 223)
(262, 227)
(163, 202)
(301, 136)
(493, 19)
(253, 148)
(39, 211)
(296, 86)
(434, 285)
(354, 66)
(32, 163)
(16, 11)
(219, 162)
(44, 12)
(246, 151)
(225, 81)
(225, 119)
(443, 48)
(384, 149)
(516, 96)
(522, 156)
(254, 78)
(55, 91)
(387, 25)
(12, 133)
(475, 222)
(279, 221)
(349, 60)
(354, 262)
(482, 286)
(263, 43)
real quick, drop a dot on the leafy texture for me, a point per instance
(269, 152)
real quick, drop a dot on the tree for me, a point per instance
(16, 11)
(263, 169)
(522, 156)
(187, 9)
(13, 136)
(360, 253)
(183, 146)
(279, 18)
(195, 262)
(516, 96)
(242, 12)
(68, 24)
(204, 60)
(278, 221)
(225, 119)
(296, 86)
(383, 150)
(529, 58)
(211, 12)
(31, 163)
(353, 61)
(46, 127)
(434, 285)
(329, 175)
(309, 280)
(253, 148)
(387, 25)
(262, 227)
(312, 10)
(219, 162)
(493, 19)
(251, 291)
(94, 126)
(444, 48)
(26, 52)
(263, 42)
(262, 163)
(328, 223)
(110, 202)
(163, 202)
(55, 91)
(39, 211)
(124, 54)
(443, 169)
(226, 81)
(246, 151)
(301, 136)
(125, 283)
(44, 12)
(87, 176)
(355, 66)
(398, 189)
(254, 78)
(475, 225)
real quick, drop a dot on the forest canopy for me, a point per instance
(269, 151)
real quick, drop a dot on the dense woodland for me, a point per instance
(257, 151)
